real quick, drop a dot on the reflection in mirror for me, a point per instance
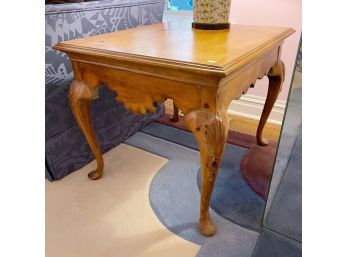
(290, 129)
(282, 222)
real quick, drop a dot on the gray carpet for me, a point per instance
(285, 215)
(274, 245)
(174, 197)
(232, 198)
(282, 235)
(180, 216)
(290, 130)
(171, 134)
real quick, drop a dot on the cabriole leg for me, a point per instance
(210, 131)
(276, 78)
(80, 97)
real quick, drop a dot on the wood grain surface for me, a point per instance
(175, 43)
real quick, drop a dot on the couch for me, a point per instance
(66, 149)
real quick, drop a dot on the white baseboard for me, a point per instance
(251, 106)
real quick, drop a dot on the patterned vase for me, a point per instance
(211, 14)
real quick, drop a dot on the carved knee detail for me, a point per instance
(215, 137)
(79, 91)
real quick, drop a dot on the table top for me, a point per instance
(176, 42)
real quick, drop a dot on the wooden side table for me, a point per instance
(202, 71)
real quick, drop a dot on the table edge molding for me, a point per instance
(216, 71)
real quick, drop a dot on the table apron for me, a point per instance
(238, 83)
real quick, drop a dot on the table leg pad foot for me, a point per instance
(207, 228)
(262, 141)
(94, 175)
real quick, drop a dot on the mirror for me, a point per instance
(282, 222)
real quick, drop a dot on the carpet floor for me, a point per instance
(285, 215)
(291, 127)
(137, 208)
(111, 217)
(272, 244)
(147, 204)
(175, 197)
(256, 165)
(232, 198)
(282, 232)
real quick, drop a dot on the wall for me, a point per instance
(282, 13)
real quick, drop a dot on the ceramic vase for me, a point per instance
(211, 14)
